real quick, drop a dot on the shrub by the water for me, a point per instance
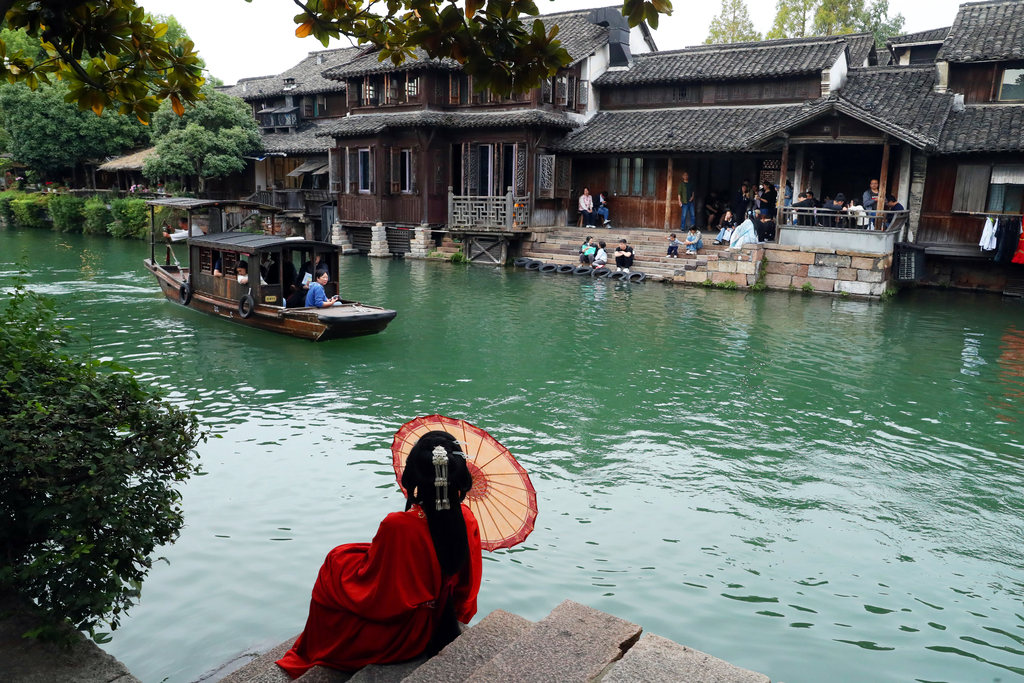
(131, 219)
(97, 216)
(6, 211)
(67, 212)
(30, 210)
(88, 470)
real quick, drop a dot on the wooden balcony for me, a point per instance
(506, 213)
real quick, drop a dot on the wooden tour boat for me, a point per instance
(273, 263)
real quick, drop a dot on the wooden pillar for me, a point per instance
(883, 177)
(668, 195)
(780, 201)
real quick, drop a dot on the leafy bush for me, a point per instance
(30, 210)
(807, 287)
(130, 218)
(67, 212)
(6, 212)
(459, 257)
(97, 216)
(728, 284)
(90, 462)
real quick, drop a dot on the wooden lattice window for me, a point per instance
(638, 176)
(971, 190)
(561, 90)
(353, 170)
(229, 260)
(563, 177)
(571, 97)
(455, 84)
(205, 260)
(583, 94)
(545, 91)
(412, 87)
(546, 176)
(651, 179)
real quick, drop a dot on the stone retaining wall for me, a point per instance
(785, 267)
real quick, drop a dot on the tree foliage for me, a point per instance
(800, 18)
(208, 141)
(50, 135)
(109, 52)
(732, 25)
(88, 470)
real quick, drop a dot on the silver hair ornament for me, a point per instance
(441, 478)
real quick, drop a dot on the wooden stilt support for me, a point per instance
(780, 201)
(668, 195)
(883, 178)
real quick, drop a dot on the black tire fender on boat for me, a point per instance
(618, 275)
(522, 262)
(549, 268)
(534, 265)
(566, 269)
(185, 294)
(637, 277)
(582, 270)
(246, 306)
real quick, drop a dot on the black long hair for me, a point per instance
(447, 527)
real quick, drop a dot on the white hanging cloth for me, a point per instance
(988, 235)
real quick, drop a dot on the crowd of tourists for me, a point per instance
(749, 215)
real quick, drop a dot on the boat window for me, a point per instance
(205, 260)
(230, 259)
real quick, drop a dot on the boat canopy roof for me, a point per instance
(192, 204)
(248, 241)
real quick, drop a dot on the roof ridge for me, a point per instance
(577, 11)
(331, 50)
(773, 42)
(988, 2)
(891, 68)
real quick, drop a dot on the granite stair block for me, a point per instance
(323, 674)
(263, 669)
(659, 660)
(386, 673)
(573, 644)
(474, 648)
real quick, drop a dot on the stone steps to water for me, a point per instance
(573, 644)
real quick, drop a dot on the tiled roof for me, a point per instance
(900, 100)
(758, 59)
(986, 31)
(303, 141)
(689, 129)
(934, 35)
(578, 36)
(371, 124)
(984, 128)
(861, 46)
(307, 75)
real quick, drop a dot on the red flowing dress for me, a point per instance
(378, 602)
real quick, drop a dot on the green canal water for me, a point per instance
(815, 488)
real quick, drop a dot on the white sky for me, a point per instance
(239, 39)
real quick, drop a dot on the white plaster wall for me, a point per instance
(837, 74)
(903, 191)
(261, 174)
(594, 66)
(637, 44)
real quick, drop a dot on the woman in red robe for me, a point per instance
(401, 595)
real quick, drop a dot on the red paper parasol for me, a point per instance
(502, 497)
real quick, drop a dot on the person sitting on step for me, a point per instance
(602, 208)
(587, 251)
(601, 257)
(404, 594)
(586, 206)
(728, 225)
(623, 256)
(693, 241)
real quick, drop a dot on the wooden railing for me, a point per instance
(502, 213)
(858, 220)
(306, 201)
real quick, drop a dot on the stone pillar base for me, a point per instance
(422, 242)
(379, 242)
(340, 237)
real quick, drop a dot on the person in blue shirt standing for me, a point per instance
(316, 297)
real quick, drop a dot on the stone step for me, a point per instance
(659, 660)
(472, 649)
(263, 669)
(573, 644)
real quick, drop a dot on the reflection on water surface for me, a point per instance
(814, 488)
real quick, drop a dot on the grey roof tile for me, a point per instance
(934, 35)
(862, 50)
(578, 36)
(984, 128)
(307, 75)
(689, 129)
(986, 31)
(900, 100)
(371, 124)
(758, 59)
(304, 140)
